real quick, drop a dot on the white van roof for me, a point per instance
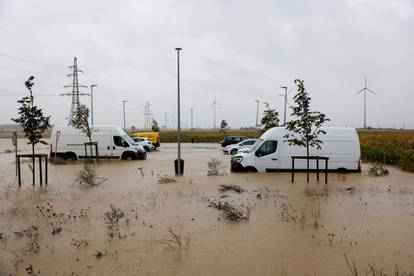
(281, 131)
(103, 127)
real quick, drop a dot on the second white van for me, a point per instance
(272, 152)
(68, 143)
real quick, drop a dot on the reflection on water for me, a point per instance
(132, 225)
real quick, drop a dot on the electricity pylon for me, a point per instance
(75, 88)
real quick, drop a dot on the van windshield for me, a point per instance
(255, 145)
(129, 140)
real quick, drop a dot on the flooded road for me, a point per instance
(132, 224)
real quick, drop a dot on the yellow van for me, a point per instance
(153, 136)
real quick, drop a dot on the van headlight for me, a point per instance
(237, 159)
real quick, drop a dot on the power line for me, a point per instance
(20, 83)
(9, 91)
(28, 71)
(32, 62)
(19, 93)
(6, 78)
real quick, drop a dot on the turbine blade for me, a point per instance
(360, 91)
(369, 90)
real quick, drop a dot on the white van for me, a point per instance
(113, 142)
(272, 153)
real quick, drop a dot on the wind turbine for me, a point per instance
(286, 101)
(214, 107)
(365, 89)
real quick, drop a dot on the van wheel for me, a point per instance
(70, 156)
(128, 156)
(251, 169)
(233, 151)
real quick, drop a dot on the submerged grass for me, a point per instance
(230, 212)
(231, 187)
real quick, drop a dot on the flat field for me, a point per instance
(141, 220)
(388, 147)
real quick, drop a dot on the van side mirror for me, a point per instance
(258, 153)
(125, 144)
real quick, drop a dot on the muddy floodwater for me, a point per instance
(131, 224)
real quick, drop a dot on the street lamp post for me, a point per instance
(284, 111)
(179, 169)
(257, 115)
(192, 126)
(92, 86)
(123, 108)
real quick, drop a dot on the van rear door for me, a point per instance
(103, 137)
(267, 156)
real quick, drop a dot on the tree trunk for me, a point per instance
(307, 161)
(33, 164)
(90, 144)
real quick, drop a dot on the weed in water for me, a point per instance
(112, 218)
(378, 170)
(99, 254)
(3, 238)
(215, 167)
(33, 236)
(30, 271)
(80, 243)
(177, 241)
(141, 172)
(87, 177)
(231, 212)
(317, 193)
(374, 271)
(231, 187)
(17, 260)
(290, 214)
(315, 213)
(165, 179)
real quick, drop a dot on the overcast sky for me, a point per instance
(236, 51)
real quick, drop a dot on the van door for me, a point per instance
(267, 157)
(119, 145)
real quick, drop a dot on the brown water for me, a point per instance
(293, 229)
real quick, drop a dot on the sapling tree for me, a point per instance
(224, 126)
(270, 118)
(304, 131)
(154, 126)
(32, 121)
(80, 121)
(31, 118)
